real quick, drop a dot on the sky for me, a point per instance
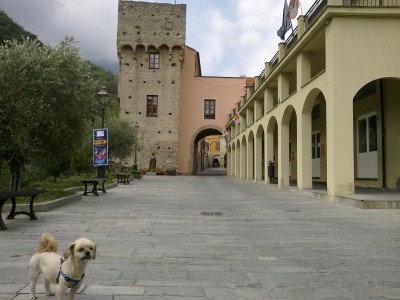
(234, 37)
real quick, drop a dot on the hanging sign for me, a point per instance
(100, 147)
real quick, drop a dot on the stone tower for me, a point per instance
(150, 44)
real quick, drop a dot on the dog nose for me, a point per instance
(87, 253)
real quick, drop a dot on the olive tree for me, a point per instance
(47, 98)
(122, 137)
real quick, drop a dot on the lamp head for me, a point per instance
(103, 95)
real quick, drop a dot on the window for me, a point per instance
(315, 145)
(367, 136)
(209, 109)
(151, 107)
(154, 61)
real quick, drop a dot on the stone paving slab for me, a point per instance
(193, 238)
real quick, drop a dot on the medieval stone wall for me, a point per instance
(144, 28)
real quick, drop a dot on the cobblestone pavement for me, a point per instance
(205, 237)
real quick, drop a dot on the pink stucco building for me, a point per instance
(161, 88)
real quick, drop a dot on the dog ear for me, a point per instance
(70, 250)
(94, 252)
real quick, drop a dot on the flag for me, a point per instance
(224, 132)
(286, 21)
(237, 118)
(293, 8)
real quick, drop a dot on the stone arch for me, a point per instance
(312, 161)
(197, 136)
(259, 153)
(124, 48)
(140, 52)
(287, 141)
(287, 115)
(310, 100)
(164, 50)
(271, 141)
(376, 107)
(175, 54)
(163, 46)
(126, 55)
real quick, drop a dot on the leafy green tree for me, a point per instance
(121, 142)
(122, 137)
(47, 98)
(72, 106)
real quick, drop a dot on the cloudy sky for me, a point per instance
(234, 37)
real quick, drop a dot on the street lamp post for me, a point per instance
(103, 95)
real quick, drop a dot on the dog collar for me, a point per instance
(67, 278)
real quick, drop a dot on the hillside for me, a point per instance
(10, 30)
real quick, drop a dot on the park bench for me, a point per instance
(94, 182)
(5, 195)
(122, 178)
(137, 174)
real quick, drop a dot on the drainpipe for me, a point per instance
(383, 135)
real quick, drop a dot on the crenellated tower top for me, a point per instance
(150, 24)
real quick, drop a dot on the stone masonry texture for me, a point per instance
(145, 28)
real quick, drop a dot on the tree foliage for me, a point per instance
(10, 30)
(122, 137)
(47, 98)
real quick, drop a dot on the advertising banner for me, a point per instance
(100, 147)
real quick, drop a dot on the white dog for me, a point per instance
(66, 272)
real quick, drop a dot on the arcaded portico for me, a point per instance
(326, 107)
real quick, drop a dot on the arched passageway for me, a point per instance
(206, 142)
(376, 111)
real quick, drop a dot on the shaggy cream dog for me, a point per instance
(66, 272)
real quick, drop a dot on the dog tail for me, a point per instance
(47, 243)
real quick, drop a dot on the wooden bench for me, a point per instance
(5, 195)
(122, 178)
(137, 174)
(94, 182)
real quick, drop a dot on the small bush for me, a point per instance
(171, 171)
(160, 171)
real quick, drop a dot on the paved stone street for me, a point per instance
(214, 237)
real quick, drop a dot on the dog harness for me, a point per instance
(67, 278)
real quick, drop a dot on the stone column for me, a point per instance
(243, 160)
(304, 162)
(283, 156)
(258, 157)
(250, 159)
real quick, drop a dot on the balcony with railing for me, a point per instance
(310, 18)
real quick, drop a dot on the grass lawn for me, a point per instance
(54, 190)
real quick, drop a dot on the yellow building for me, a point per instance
(326, 107)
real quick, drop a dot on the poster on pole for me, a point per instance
(100, 147)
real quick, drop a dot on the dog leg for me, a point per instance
(61, 290)
(47, 288)
(73, 291)
(32, 287)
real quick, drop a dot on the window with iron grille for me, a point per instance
(154, 61)
(209, 109)
(152, 106)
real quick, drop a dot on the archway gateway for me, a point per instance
(200, 149)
